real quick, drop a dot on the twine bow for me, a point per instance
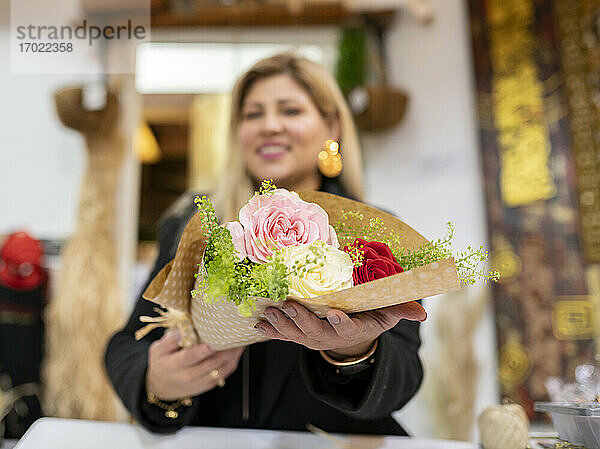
(9, 398)
(169, 319)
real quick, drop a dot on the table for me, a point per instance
(51, 433)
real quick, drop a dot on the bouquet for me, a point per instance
(322, 250)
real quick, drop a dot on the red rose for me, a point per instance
(378, 262)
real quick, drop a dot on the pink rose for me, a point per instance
(237, 235)
(276, 220)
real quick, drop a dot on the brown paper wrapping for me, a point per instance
(219, 324)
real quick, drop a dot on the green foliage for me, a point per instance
(426, 254)
(467, 263)
(351, 67)
(208, 216)
(374, 230)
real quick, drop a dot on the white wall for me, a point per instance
(427, 169)
(41, 162)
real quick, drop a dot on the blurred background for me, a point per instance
(493, 126)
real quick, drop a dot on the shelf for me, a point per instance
(251, 15)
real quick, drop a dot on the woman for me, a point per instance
(342, 374)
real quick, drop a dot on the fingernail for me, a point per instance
(333, 319)
(290, 311)
(271, 317)
(260, 329)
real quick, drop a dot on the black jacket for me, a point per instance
(286, 385)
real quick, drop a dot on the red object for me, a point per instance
(20, 262)
(378, 262)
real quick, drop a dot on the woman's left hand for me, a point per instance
(343, 335)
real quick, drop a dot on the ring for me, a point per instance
(215, 374)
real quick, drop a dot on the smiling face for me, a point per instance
(281, 132)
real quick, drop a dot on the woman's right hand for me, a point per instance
(174, 373)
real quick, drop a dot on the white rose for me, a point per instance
(331, 272)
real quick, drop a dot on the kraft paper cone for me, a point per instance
(219, 324)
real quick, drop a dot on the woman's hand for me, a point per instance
(174, 373)
(341, 334)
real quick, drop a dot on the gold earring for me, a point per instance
(330, 159)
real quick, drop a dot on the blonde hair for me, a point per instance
(236, 186)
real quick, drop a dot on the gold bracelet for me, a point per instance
(348, 361)
(169, 408)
